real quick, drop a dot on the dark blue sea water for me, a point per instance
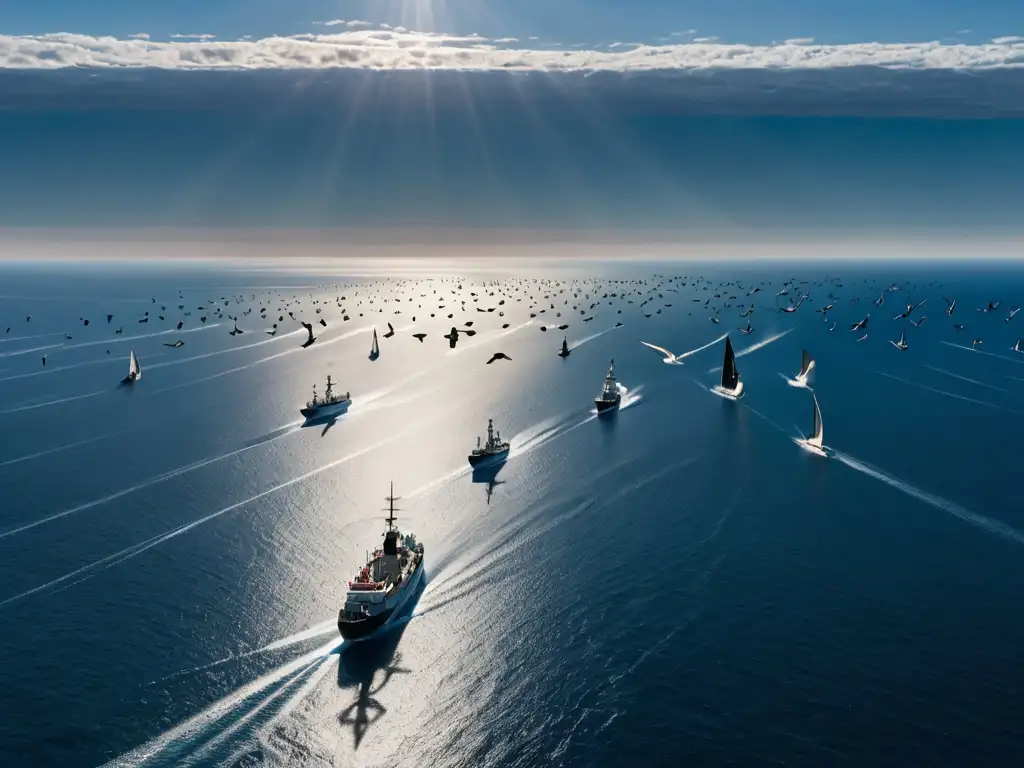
(680, 583)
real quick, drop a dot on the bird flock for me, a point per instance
(564, 306)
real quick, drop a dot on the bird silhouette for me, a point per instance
(498, 356)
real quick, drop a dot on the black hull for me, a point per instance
(360, 628)
(491, 458)
(604, 406)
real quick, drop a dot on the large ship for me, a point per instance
(610, 396)
(331, 404)
(494, 450)
(384, 584)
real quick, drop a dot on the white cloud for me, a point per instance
(705, 39)
(404, 50)
(202, 38)
(800, 41)
(505, 40)
(1007, 40)
(139, 36)
(331, 23)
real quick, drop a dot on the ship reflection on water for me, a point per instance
(368, 666)
(488, 473)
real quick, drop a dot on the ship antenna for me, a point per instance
(391, 499)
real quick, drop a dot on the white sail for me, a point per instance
(134, 369)
(819, 432)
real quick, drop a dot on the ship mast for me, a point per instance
(490, 432)
(391, 499)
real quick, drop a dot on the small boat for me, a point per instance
(813, 444)
(134, 370)
(493, 451)
(331, 404)
(731, 386)
(374, 349)
(806, 364)
(610, 396)
(564, 351)
(384, 585)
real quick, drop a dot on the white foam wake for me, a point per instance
(985, 523)
(591, 337)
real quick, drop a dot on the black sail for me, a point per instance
(730, 376)
(805, 363)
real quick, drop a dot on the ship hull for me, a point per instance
(325, 411)
(361, 629)
(606, 406)
(480, 460)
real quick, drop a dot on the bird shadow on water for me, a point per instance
(489, 475)
(369, 666)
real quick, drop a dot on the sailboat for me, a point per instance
(814, 444)
(731, 386)
(134, 370)
(806, 365)
(374, 349)
(564, 351)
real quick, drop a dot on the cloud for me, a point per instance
(139, 36)
(1008, 40)
(401, 49)
(800, 41)
(705, 39)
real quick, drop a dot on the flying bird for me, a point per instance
(420, 336)
(498, 356)
(862, 325)
(309, 330)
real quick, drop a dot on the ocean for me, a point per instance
(678, 583)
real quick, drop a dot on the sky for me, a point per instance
(567, 21)
(731, 119)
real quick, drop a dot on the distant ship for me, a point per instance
(610, 396)
(384, 584)
(134, 370)
(493, 450)
(329, 405)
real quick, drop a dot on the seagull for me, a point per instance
(958, 327)
(309, 330)
(498, 356)
(975, 343)
(1016, 347)
(992, 306)
(862, 325)
(794, 307)
(453, 337)
(391, 331)
(44, 361)
(1013, 311)
(178, 343)
(670, 358)
(917, 323)
(825, 310)
(746, 331)
(901, 345)
(714, 320)
(863, 338)
(950, 305)
(420, 336)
